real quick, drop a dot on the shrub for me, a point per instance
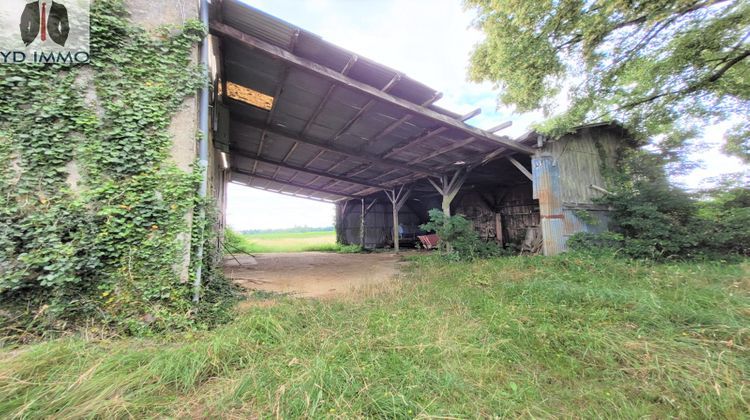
(458, 238)
(653, 219)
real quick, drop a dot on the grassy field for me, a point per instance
(290, 242)
(571, 336)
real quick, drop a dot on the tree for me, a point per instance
(664, 68)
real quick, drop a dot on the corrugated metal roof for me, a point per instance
(352, 130)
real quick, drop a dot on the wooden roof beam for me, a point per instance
(428, 135)
(279, 88)
(292, 184)
(405, 118)
(459, 144)
(366, 107)
(355, 155)
(222, 30)
(282, 164)
(348, 66)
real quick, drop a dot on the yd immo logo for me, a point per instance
(44, 31)
(48, 21)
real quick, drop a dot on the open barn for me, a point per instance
(297, 115)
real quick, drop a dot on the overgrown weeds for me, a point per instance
(571, 336)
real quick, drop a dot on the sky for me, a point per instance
(429, 40)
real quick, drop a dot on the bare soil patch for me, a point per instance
(313, 274)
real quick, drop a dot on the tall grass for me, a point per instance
(320, 241)
(540, 337)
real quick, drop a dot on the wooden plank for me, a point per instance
(459, 144)
(291, 150)
(330, 75)
(444, 150)
(362, 232)
(291, 184)
(414, 141)
(369, 206)
(293, 194)
(248, 155)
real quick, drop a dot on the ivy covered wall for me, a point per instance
(96, 209)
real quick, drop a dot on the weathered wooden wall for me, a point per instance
(580, 158)
(378, 224)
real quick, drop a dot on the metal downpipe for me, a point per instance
(202, 149)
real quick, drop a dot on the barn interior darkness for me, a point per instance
(496, 198)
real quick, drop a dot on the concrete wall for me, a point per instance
(152, 14)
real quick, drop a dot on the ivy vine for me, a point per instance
(93, 214)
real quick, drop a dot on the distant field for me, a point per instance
(290, 242)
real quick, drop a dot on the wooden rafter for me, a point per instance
(348, 66)
(459, 144)
(356, 155)
(291, 184)
(427, 135)
(520, 167)
(365, 108)
(282, 164)
(405, 118)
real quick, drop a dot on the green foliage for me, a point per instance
(92, 214)
(560, 337)
(738, 142)
(458, 239)
(664, 68)
(653, 219)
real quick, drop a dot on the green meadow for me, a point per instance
(272, 242)
(570, 337)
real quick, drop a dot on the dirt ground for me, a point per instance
(312, 274)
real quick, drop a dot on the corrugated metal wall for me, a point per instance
(378, 224)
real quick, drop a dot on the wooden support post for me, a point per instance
(449, 188)
(362, 224)
(363, 227)
(521, 168)
(398, 199)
